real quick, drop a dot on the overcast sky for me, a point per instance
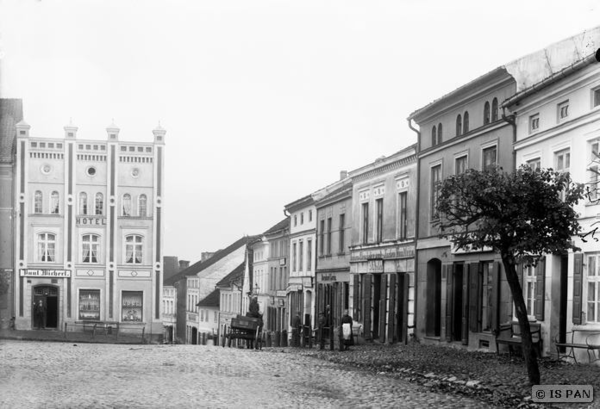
(263, 101)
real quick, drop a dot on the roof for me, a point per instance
(11, 113)
(279, 226)
(235, 275)
(300, 203)
(211, 300)
(201, 265)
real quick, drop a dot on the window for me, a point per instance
(294, 257)
(322, 238)
(134, 249)
(402, 215)
(341, 241)
(494, 109)
(466, 122)
(132, 306)
(534, 164)
(46, 247)
(486, 113)
(143, 206)
(295, 220)
(562, 160)
(434, 135)
(365, 223)
(490, 157)
(127, 204)
(485, 296)
(439, 134)
(329, 227)
(529, 289)
(594, 171)
(301, 255)
(563, 111)
(379, 204)
(595, 97)
(82, 203)
(308, 255)
(99, 204)
(310, 215)
(436, 179)
(90, 244)
(458, 125)
(302, 218)
(593, 289)
(54, 204)
(89, 304)
(460, 165)
(38, 202)
(534, 123)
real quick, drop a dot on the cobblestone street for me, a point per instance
(79, 375)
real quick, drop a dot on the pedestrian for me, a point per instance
(39, 315)
(321, 331)
(296, 324)
(346, 336)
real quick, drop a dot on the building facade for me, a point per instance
(382, 252)
(89, 234)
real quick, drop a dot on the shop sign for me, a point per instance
(375, 266)
(91, 220)
(328, 277)
(281, 293)
(45, 273)
(389, 253)
(192, 317)
(307, 281)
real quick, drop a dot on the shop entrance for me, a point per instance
(457, 303)
(49, 296)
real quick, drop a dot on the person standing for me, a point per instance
(296, 327)
(40, 315)
(346, 336)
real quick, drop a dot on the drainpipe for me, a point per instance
(416, 229)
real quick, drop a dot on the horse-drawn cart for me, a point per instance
(246, 328)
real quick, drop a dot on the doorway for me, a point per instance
(375, 301)
(457, 302)
(48, 294)
(562, 320)
(433, 306)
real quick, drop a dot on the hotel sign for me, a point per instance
(91, 220)
(45, 273)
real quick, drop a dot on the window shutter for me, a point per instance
(447, 272)
(473, 297)
(392, 310)
(540, 278)
(356, 296)
(577, 289)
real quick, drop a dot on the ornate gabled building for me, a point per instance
(89, 230)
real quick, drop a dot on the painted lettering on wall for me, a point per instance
(328, 277)
(45, 273)
(95, 221)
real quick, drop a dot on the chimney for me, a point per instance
(183, 264)
(343, 174)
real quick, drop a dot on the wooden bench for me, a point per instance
(247, 328)
(579, 339)
(510, 334)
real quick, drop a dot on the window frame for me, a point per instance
(38, 202)
(83, 203)
(593, 170)
(99, 204)
(562, 111)
(534, 123)
(459, 128)
(402, 214)
(488, 148)
(46, 247)
(379, 220)
(486, 113)
(126, 207)
(92, 244)
(365, 222)
(143, 205)
(134, 250)
(435, 185)
(55, 202)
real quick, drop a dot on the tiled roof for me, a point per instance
(235, 275)
(279, 226)
(11, 113)
(211, 300)
(201, 265)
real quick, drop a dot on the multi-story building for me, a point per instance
(231, 298)
(89, 234)
(11, 112)
(382, 262)
(208, 317)
(557, 121)
(171, 266)
(334, 224)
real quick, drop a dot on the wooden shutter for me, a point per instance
(392, 310)
(577, 289)
(367, 305)
(382, 308)
(496, 272)
(540, 278)
(447, 272)
(403, 287)
(473, 297)
(356, 296)
(465, 306)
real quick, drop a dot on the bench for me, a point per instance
(510, 334)
(579, 339)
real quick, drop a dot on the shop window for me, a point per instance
(89, 305)
(132, 303)
(134, 249)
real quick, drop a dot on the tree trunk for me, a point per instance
(533, 369)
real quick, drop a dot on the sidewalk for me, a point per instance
(496, 380)
(48, 335)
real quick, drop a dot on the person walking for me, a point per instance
(40, 315)
(346, 336)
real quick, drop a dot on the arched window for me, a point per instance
(90, 246)
(494, 109)
(54, 204)
(38, 202)
(83, 204)
(46, 246)
(486, 113)
(440, 133)
(433, 136)
(143, 206)
(134, 246)
(99, 203)
(466, 122)
(126, 204)
(458, 125)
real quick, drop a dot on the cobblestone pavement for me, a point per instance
(70, 375)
